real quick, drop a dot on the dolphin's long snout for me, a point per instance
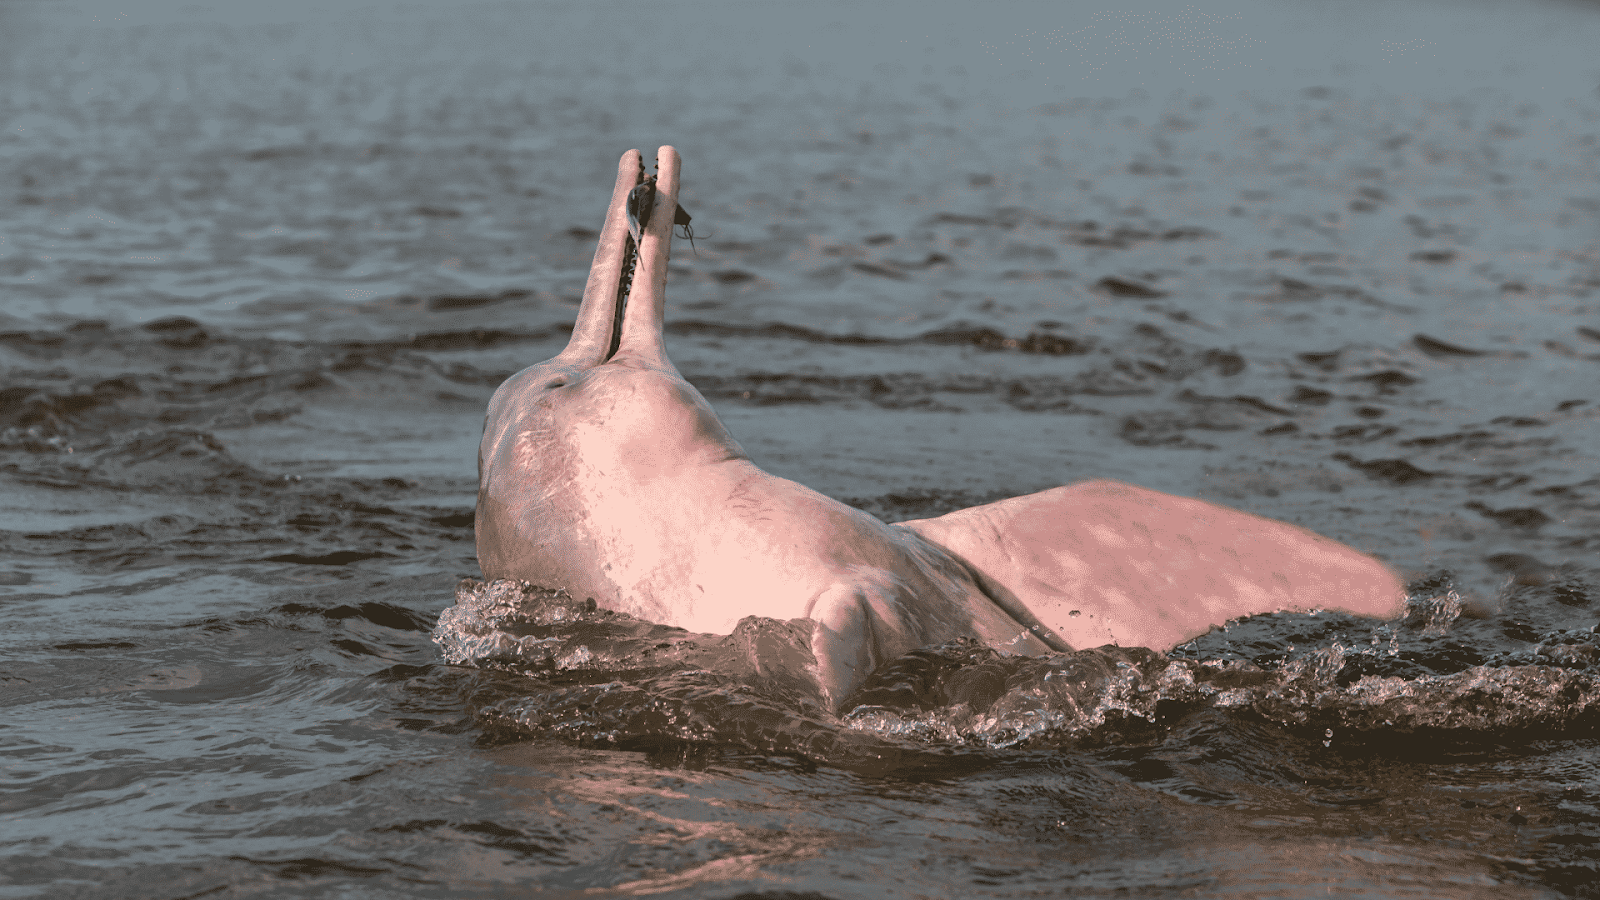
(642, 340)
(625, 299)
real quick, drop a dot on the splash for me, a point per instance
(568, 669)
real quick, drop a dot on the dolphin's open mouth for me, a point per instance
(634, 246)
(641, 202)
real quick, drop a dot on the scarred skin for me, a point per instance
(613, 478)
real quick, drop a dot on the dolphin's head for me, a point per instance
(612, 401)
(610, 414)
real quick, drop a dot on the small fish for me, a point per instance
(641, 202)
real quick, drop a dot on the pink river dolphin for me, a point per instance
(604, 472)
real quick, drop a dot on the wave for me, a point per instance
(574, 671)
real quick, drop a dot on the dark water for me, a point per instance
(259, 277)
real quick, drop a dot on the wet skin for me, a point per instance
(608, 474)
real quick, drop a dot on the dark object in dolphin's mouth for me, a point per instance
(641, 202)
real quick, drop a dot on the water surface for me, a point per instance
(1330, 263)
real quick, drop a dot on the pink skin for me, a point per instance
(614, 479)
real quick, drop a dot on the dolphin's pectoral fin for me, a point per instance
(1104, 562)
(842, 641)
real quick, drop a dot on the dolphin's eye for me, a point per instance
(555, 384)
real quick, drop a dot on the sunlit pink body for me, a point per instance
(613, 478)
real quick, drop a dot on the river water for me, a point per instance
(1334, 263)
